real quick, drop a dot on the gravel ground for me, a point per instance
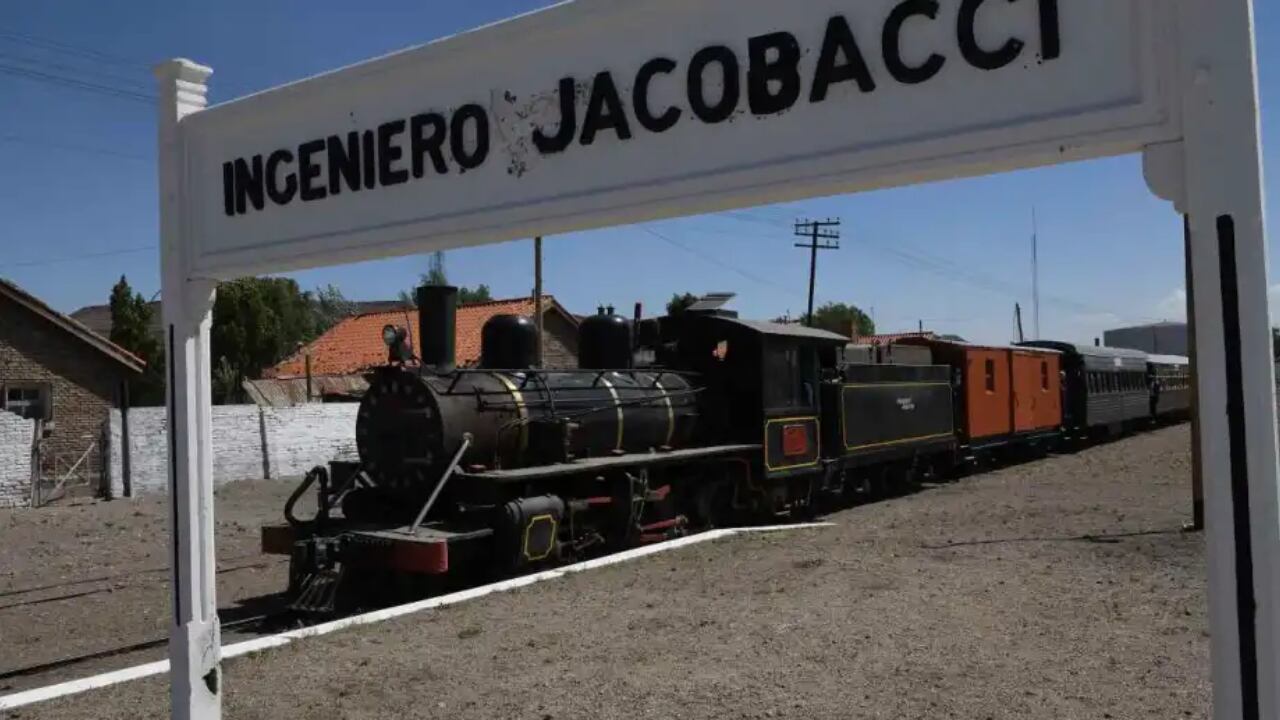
(48, 611)
(1056, 589)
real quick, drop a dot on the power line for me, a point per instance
(951, 270)
(716, 261)
(46, 65)
(82, 256)
(53, 79)
(40, 142)
(69, 49)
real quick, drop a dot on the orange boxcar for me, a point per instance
(984, 401)
(1005, 393)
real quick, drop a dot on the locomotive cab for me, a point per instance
(768, 377)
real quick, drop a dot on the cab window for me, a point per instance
(790, 377)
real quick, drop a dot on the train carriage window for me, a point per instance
(1044, 375)
(990, 369)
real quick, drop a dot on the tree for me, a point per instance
(330, 307)
(679, 303)
(131, 328)
(469, 296)
(257, 322)
(843, 319)
(435, 276)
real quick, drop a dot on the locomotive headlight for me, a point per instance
(391, 335)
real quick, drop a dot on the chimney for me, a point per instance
(437, 326)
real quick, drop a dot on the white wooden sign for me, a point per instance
(604, 112)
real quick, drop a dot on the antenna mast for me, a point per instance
(1035, 275)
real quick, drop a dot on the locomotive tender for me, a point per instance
(504, 467)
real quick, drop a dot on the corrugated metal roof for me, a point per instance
(780, 330)
(1087, 350)
(293, 391)
(890, 338)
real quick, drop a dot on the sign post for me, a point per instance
(1215, 176)
(594, 113)
(195, 646)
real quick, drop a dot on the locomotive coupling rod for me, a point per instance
(444, 480)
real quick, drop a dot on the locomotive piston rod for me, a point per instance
(444, 480)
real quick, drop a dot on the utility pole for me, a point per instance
(537, 294)
(1017, 319)
(1035, 274)
(815, 231)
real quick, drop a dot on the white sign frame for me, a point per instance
(1191, 109)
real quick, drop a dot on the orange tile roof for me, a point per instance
(355, 344)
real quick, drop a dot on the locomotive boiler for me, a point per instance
(416, 417)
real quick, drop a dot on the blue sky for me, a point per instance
(78, 196)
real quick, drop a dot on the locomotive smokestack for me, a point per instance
(437, 326)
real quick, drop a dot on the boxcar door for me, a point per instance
(1026, 395)
(1037, 394)
(987, 394)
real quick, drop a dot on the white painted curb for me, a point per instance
(115, 677)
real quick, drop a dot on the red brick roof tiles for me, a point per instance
(355, 344)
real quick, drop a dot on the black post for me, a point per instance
(309, 390)
(1197, 475)
(126, 462)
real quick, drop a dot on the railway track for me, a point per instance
(261, 617)
(108, 582)
(261, 622)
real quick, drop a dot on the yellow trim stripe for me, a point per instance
(817, 434)
(671, 413)
(882, 385)
(894, 442)
(521, 410)
(617, 403)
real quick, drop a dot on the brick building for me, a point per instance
(56, 369)
(355, 344)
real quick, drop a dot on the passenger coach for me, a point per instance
(1104, 389)
(1169, 377)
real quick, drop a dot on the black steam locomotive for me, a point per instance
(668, 425)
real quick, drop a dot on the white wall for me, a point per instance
(15, 460)
(300, 437)
(249, 443)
